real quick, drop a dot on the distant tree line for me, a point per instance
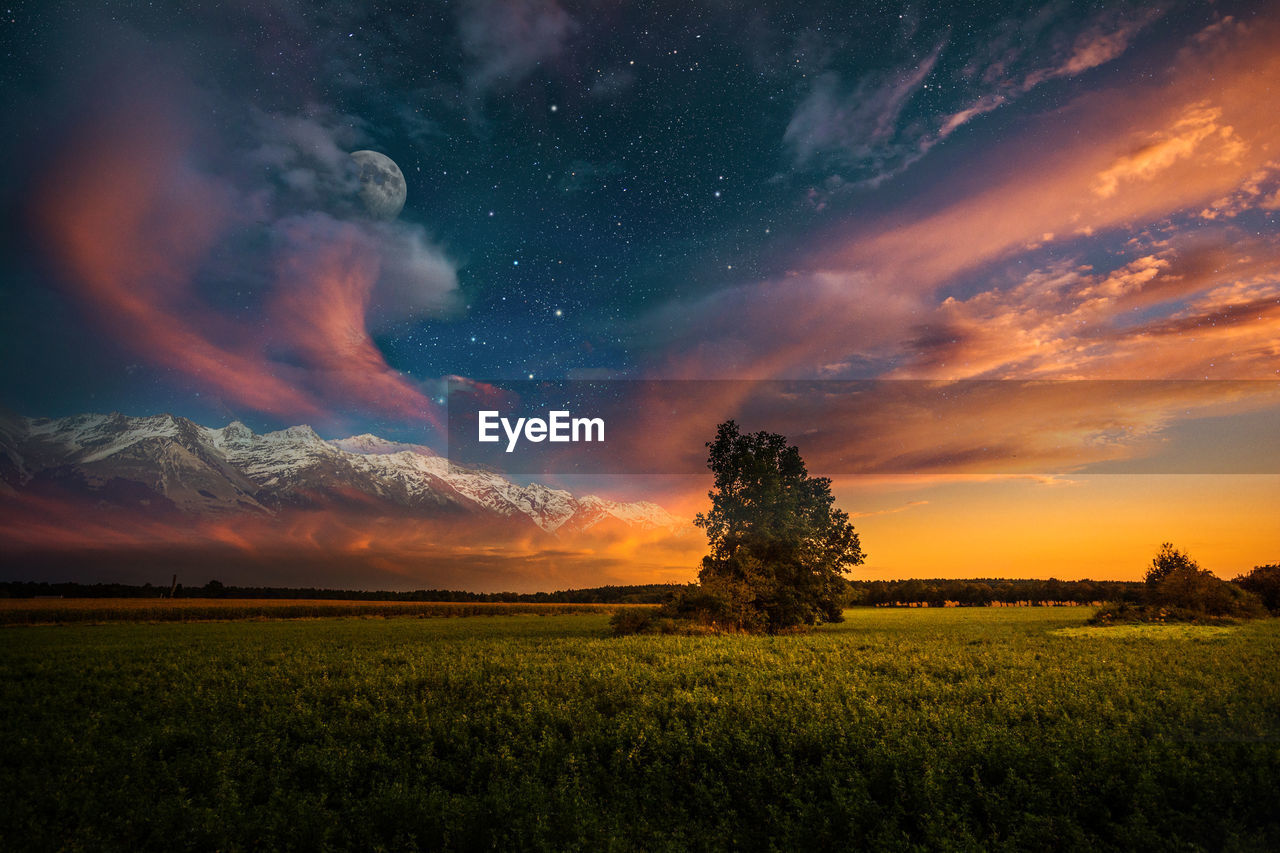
(973, 592)
(634, 594)
(1264, 581)
(982, 592)
(934, 592)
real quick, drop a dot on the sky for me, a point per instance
(986, 194)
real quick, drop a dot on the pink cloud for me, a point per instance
(136, 225)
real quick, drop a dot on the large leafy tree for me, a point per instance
(779, 546)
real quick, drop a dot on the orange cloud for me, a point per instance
(1110, 159)
(131, 220)
(1112, 165)
(1219, 317)
(1197, 133)
(333, 547)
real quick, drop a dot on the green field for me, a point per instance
(971, 729)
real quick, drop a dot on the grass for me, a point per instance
(970, 729)
(1197, 632)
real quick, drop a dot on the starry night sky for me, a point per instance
(713, 190)
(579, 168)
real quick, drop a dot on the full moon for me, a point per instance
(382, 187)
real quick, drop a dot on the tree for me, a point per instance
(1177, 589)
(1264, 582)
(1197, 591)
(1167, 561)
(779, 547)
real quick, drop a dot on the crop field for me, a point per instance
(967, 729)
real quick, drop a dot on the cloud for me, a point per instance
(1259, 191)
(896, 428)
(860, 128)
(52, 535)
(897, 509)
(507, 40)
(238, 263)
(1046, 177)
(876, 128)
(1106, 37)
(1197, 133)
(306, 159)
(1020, 269)
(1189, 312)
(776, 328)
(1019, 54)
(984, 104)
(326, 274)
(981, 274)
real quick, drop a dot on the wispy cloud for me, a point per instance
(507, 40)
(860, 127)
(343, 547)
(1259, 191)
(874, 127)
(1189, 312)
(1106, 37)
(893, 511)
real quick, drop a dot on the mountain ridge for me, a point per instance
(165, 463)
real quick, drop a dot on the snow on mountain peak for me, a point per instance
(205, 469)
(234, 434)
(368, 444)
(302, 431)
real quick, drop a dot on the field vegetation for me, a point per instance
(957, 728)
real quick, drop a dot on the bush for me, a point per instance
(1196, 589)
(1178, 590)
(709, 609)
(633, 620)
(1264, 582)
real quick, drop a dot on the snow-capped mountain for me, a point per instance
(169, 464)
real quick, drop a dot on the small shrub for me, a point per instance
(633, 620)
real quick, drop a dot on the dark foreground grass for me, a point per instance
(928, 729)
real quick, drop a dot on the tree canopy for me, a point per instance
(1264, 582)
(1169, 560)
(778, 544)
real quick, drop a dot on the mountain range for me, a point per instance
(163, 465)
